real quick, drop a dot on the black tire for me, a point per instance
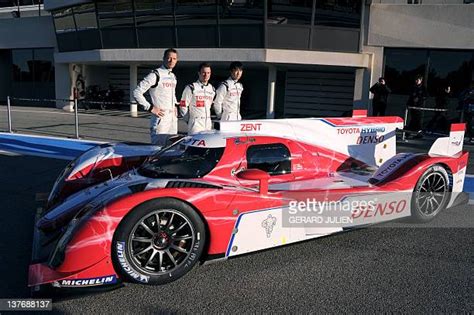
(142, 253)
(431, 194)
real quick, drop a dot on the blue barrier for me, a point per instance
(50, 147)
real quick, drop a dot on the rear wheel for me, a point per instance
(431, 194)
(158, 242)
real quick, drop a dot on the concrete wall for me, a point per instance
(27, 32)
(427, 26)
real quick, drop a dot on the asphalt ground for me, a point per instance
(392, 267)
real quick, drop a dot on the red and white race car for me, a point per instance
(135, 213)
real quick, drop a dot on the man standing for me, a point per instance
(380, 91)
(161, 84)
(227, 103)
(416, 98)
(439, 121)
(196, 101)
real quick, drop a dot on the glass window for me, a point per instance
(275, 159)
(453, 68)
(151, 13)
(401, 68)
(64, 21)
(196, 22)
(33, 65)
(290, 11)
(241, 23)
(85, 17)
(22, 65)
(43, 65)
(116, 13)
(182, 161)
(117, 24)
(155, 23)
(339, 13)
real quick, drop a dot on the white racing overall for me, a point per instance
(227, 102)
(161, 84)
(195, 106)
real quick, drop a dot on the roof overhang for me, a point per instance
(266, 56)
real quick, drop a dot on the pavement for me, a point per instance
(394, 267)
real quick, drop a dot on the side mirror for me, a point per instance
(256, 174)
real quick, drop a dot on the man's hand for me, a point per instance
(158, 112)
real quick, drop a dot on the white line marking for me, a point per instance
(8, 153)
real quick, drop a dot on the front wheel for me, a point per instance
(158, 242)
(431, 194)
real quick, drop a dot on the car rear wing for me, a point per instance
(452, 145)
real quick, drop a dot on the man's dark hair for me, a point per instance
(236, 65)
(203, 65)
(419, 77)
(381, 78)
(169, 50)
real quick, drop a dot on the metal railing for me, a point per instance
(74, 101)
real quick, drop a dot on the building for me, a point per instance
(301, 57)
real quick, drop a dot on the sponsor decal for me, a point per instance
(359, 130)
(456, 143)
(370, 139)
(195, 142)
(204, 98)
(392, 165)
(268, 224)
(87, 282)
(168, 85)
(380, 209)
(250, 127)
(125, 265)
(199, 103)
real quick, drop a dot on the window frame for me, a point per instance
(286, 171)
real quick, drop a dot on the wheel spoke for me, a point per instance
(168, 224)
(430, 202)
(179, 249)
(151, 257)
(178, 229)
(143, 251)
(440, 188)
(424, 203)
(160, 259)
(171, 257)
(438, 181)
(147, 228)
(157, 218)
(181, 238)
(435, 201)
(142, 239)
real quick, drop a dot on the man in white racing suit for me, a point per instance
(195, 105)
(227, 102)
(161, 84)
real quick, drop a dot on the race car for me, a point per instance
(142, 214)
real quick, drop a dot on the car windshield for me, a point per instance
(182, 161)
